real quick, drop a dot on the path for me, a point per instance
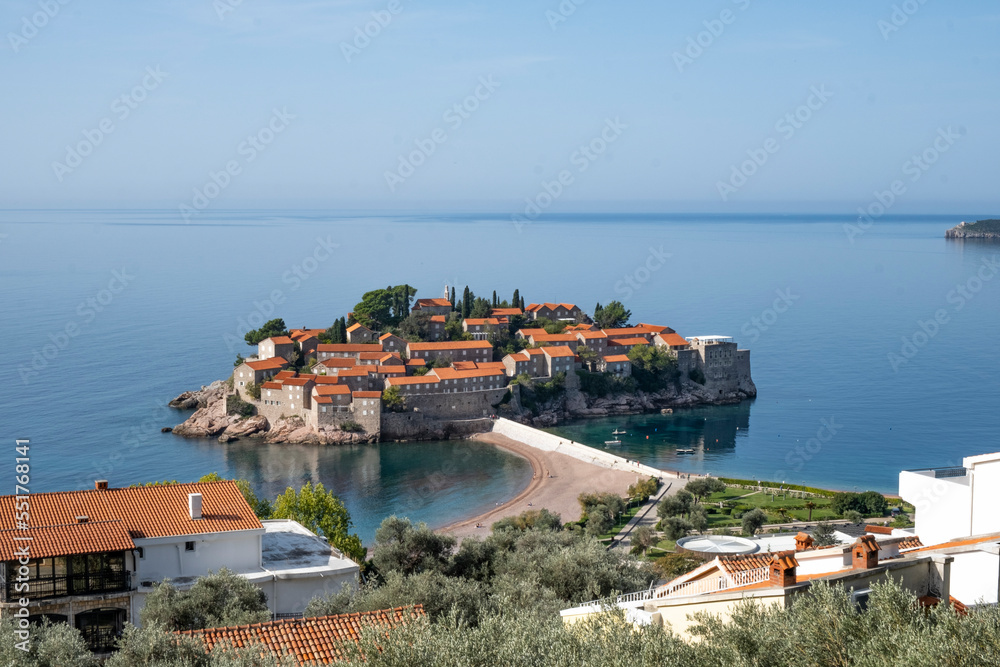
(646, 516)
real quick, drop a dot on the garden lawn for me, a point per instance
(795, 506)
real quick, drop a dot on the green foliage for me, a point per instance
(643, 489)
(239, 360)
(407, 549)
(154, 645)
(383, 308)
(271, 328)
(323, 513)
(854, 516)
(602, 384)
(612, 316)
(480, 308)
(532, 519)
(590, 501)
(421, 370)
(679, 504)
(49, 645)
(415, 327)
(697, 376)
(753, 521)
(703, 487)
(237, 406)
(653, 368)
(675, 527)
(335, 334)
(792, 487)
(350, 426)
(674, 565)
(983, 226)
(252, 390)
(260, 506)
(902, 520)
(393, 400)
(643, 538)
(868, 503)
(219, 599)
(823, 535)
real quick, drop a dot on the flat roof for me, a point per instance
(288, 548)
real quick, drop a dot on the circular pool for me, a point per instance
(717, 544)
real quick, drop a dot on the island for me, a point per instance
(398, 368)
(981, 229)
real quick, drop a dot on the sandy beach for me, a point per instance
(557, 482)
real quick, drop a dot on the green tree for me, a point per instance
(612, 316)
(260, 506)
(538, 519)
(675, 527)
(239, 360)
(854, 516)
(393, 400)
(323, 513)
(673, 565)
(47, 644)
(466, 302)
(271, 328)
(405, 548)
(643, 538)
(252, 389)
(480, 308)
(219, 599)
(515, 301)
(823, 535)
(753, 521)
(653, 367)
(587, 356)
(703, 487)
(679, 504)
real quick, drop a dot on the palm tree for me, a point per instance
(810, 505)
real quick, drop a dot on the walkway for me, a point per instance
(646, 516)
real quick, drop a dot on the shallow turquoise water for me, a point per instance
(95, 407)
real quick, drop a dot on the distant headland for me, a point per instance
(401, 368)
(982, 229)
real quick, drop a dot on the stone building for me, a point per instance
(454, 381)
(481, 328)
(565, 339)
(432, 306)
(616, 364)
(392, 343)
(553, 311)
(596, 341)
(359, 333)
(256, 372)
(345, 350)
(725, 367)
(559, 359)
(276, 346)
(457, 350)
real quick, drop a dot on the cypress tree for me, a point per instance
(406, 301)
(522, 303)
(495, 302)
(466, 302)
(515, 302)
(452, 298)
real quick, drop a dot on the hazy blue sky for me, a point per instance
(677, 127)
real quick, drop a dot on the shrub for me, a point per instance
(697, 376)
(753, 521)
(237, 406)
(672, 566)
(351, 426)
(253, 390)
(219, 599)
(675, 527)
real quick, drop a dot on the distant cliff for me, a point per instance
(983, 229)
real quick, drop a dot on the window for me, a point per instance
(141, 552)
(101, 628)
(189, 546)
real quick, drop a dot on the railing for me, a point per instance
(627, 598)
(76, 584)
(714, 584)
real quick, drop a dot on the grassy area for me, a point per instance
(734, 497)
(622, 522)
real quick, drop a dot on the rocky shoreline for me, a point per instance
(211, 421)
(984, 229)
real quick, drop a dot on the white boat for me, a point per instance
(617, 432)
(616, 441)
(685, 451)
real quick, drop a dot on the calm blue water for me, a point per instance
(94, 407)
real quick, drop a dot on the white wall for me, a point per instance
(943, 506)
(975, 577)
(166, 557)
(986, 496)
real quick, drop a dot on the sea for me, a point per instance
(874, 347)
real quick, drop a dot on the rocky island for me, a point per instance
(982, 229)
(446, 367)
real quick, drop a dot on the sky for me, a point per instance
(530, 107)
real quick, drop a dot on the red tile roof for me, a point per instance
(464, 365)
(413, 379)
(455, 374)
(332, 390)
(626, 331)
(416, 362)
(527, 333)
(588, 335)
(491, 365)
(653, 328)
(339, 362)
(551, 306)
(281, 340)
(628, 341)
(284, 375)
(616, 358)
(388, 335)
(554, 338)
(116, 516)
(367, 394)
(496, 312)
(272, 364)
(316, 640)
(481, 321)
(392, 370)
(742, 563)
(327, 379)
(356, 326)
(368, 356)
(427, 303)
(878, 529)
(452, 345)
(558, 351)
(272, 385)
(437, 319)
(298, 382)
(673, 340)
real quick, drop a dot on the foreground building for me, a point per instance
(94, 556)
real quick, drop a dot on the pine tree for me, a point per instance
(466, 302)
(522, 303)
(516, 300)
(495, 302)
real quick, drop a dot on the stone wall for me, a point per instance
(460, 405)
(418, 426)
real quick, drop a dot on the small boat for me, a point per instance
(618, 432)
(685, 451)
(616, 441)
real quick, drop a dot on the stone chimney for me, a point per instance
(101, 484)
(783, 569)
(803, 541)
(864, 553)
(194, 505)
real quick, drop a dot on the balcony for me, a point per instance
(92, 583)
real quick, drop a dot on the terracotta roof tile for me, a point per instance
(75, 538)
(558, 351)
(356, 326)
(367, 394)
(272, 385)
(878, 529)
(349, 347)
(427, 303)
(317, 640)
(327, 379)
(456, 374)
(413, 379)
(437, 319)
(416, 362)
(673, 340)
(628, 341)
(284, 375)
(281, 340)
(332, 390)
(274, 363)
(452, 345)
(616, 358)
(137, 512)
(506, 312)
